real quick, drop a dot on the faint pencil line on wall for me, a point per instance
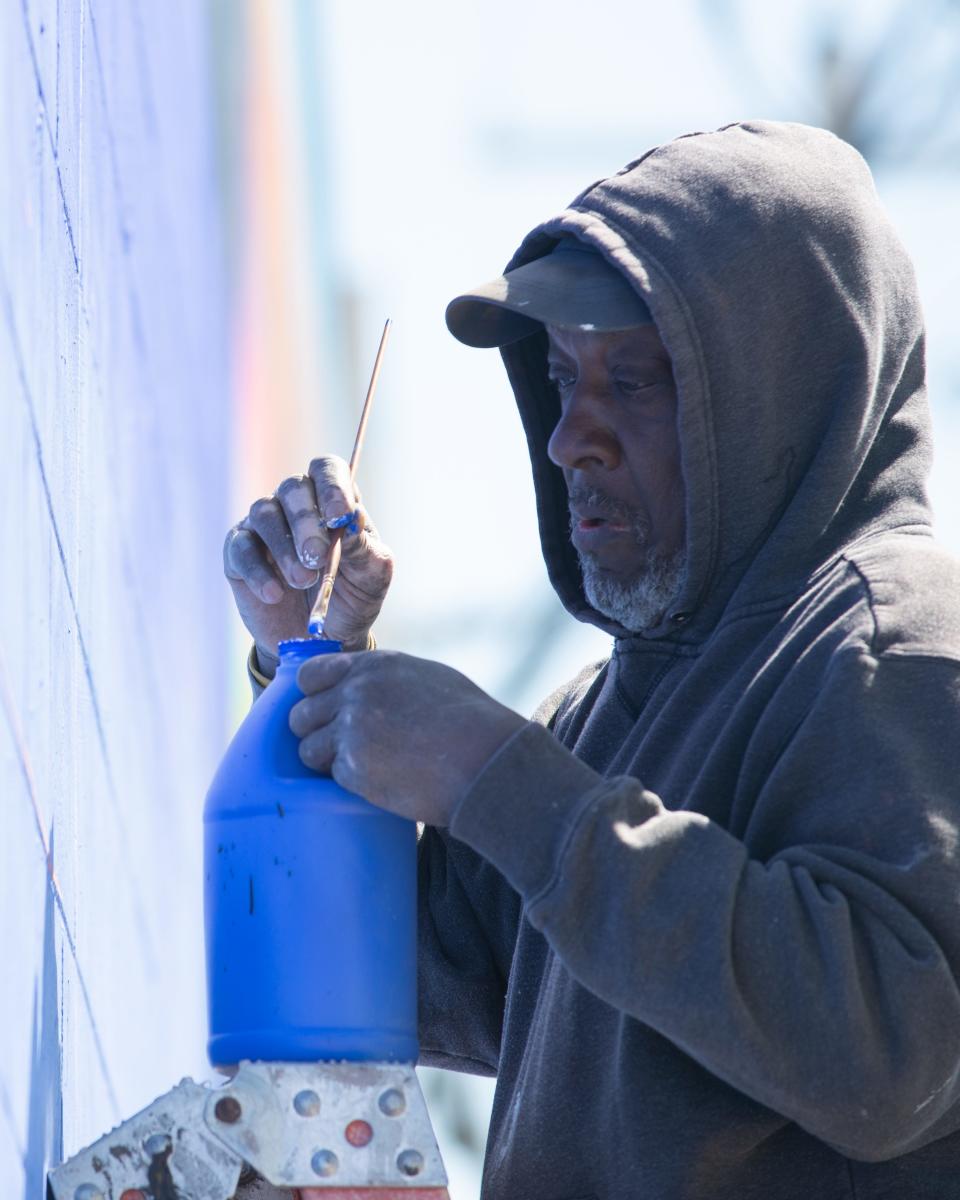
(6, 302)
(136, 327)
(50, 135)
(119, 200)
(140, 342)
(147, 104)
(134, 305)
(118, 197)
(15, 727)
(53, 140)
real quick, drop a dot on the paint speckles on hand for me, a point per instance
(349, 522)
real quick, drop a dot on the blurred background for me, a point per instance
(207, 210)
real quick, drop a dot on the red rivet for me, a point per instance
(358, 1133)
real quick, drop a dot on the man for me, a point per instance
(701, 916)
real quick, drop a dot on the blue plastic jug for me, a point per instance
(310, 899)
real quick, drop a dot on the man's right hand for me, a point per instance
(273, 559)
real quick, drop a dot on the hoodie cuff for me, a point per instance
(521, 809)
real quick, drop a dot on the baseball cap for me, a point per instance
(572, 287)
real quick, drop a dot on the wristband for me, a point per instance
(253, 666)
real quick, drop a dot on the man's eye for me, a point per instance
(633, 387)
(561, 382)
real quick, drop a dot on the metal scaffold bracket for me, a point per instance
(358, 1131)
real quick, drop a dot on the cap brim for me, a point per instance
(571, 291)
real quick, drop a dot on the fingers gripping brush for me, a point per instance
(310, 930)
(339, 525)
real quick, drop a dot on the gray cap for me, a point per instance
(571, 287)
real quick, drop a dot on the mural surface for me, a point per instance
(113, 404)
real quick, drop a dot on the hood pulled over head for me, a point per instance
(789, 310)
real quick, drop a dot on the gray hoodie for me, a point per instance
(700, 917)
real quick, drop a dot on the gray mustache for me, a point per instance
(615, 509)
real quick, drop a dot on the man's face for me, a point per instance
(617, 444)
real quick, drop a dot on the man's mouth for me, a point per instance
(590, 533)
(578, 521)
(587, 538)
(597, 520)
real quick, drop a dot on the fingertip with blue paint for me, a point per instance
(349, 521)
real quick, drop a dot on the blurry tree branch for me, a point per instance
(890, 86)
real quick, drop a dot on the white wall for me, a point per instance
(113, 403)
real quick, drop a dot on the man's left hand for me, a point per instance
(405, 733)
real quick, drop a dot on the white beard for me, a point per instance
(638, 603)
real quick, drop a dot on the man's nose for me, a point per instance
(582, 438)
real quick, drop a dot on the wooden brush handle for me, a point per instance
(330, 568)
(318, 616)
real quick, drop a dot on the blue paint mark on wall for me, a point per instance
(114, 414)
(44, 1139)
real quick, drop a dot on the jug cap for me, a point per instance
(296, 650)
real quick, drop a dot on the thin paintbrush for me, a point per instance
(319, 614)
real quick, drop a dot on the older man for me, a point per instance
(700, 917)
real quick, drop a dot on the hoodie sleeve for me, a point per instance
(467, 928)
(821, 978)
(468, 922)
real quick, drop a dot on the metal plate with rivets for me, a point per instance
(322, 1125)
(329, 1125)
(164, 1152)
